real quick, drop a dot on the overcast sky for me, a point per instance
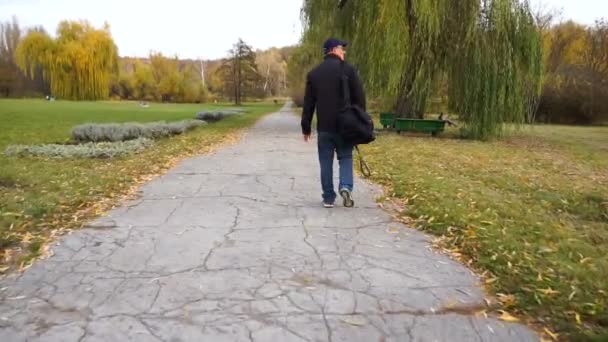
(205, 28)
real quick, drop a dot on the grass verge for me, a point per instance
(529, 212)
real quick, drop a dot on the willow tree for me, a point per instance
(167, 76)
(497, 69)
(490, 50)
(78, 64)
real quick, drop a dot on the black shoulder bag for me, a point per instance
(355, 126)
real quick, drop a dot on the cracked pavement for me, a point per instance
(235, 246)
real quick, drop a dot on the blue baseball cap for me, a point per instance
(332, 43)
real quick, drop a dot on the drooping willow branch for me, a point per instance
(488, 52)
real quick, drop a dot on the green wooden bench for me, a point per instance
(389, 120)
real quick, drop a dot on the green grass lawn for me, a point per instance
(530, 211)
(40, 196)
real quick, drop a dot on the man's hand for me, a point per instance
(306, 137)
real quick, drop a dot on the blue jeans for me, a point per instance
(327, 144)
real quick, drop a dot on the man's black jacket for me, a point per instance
(324, 92)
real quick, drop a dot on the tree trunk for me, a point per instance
(203, 73)
(235, 82)
(239, 79)
(267, 76)
(404, 107)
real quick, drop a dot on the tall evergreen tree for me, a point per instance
(240, 72)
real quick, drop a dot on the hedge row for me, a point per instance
(217, 115)
(114, 139)
(131, 130)
(86, 150)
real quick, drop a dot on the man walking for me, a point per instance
(324, 92)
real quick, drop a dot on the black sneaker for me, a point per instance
(328, 205)
(347, 197)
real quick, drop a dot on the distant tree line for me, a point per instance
(575, 89)
(82, 63)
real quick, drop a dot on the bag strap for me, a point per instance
(345, 87)
(365, 170)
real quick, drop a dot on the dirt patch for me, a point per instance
(7, 182)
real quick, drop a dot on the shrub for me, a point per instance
(87, 150)
(131, 130)
(214, 116)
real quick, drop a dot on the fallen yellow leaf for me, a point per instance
(548, 291)
(507, 299)
(552, 334)
(505, 316)
(27, 237)
(491, 280)
(12, 214)
(393, 230)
